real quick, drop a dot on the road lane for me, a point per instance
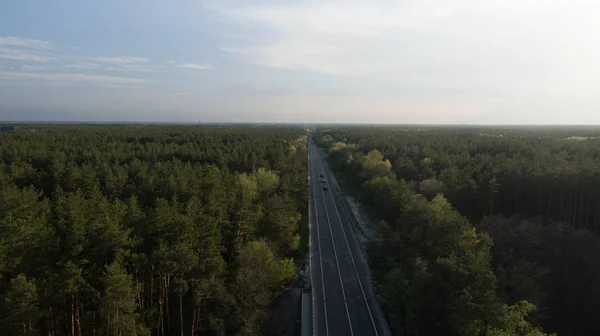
(363, 311)
(361, 264)
(332, 316)
(337, 311)
(320, 325)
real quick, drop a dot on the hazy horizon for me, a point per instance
(424, 62)
(260, 123)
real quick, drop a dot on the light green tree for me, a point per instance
(259, 277)
(118, 305)
(20, 306)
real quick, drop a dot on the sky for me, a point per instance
(406, 62)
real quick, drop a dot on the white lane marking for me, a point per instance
(337, 263)
(320, 255)
(350, 251)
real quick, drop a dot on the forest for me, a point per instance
(483, 230)
(148, 230)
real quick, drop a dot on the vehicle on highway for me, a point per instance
(324, 187)
(323, 181)
(322, 174)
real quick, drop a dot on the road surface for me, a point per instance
(343, 298)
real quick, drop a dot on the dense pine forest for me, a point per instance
(484, 231)
(148, 230)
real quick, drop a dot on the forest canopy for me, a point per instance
(484, 230)
(139, 230)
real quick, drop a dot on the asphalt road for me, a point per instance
(343, 299)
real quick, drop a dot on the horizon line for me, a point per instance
(132, 122)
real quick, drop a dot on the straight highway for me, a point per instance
(343, 299)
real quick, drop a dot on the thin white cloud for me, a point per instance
(121, 60)
(24, 42)
(131, 67)
(125, 63)
(30, 50)
(21, 55)
(73, 78)
(82, 65)
(196, 66)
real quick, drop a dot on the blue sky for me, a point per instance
(421, 61)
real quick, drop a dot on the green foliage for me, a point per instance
(138, 230)
(398, 294)
(118, 306)
(374, 165)
(440, 276)
(248, 187)
(553, 266)
(447, 267)
(259, 277)
(280, 223)
(25, 236)
(20, 306)
(513, 320)
(431, 188)
(266, 181)
(536, 171)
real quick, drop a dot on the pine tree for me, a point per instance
(118, 305)
(20, 307)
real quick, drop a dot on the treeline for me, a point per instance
(551, 172)
(134, 230)
(443, 275)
